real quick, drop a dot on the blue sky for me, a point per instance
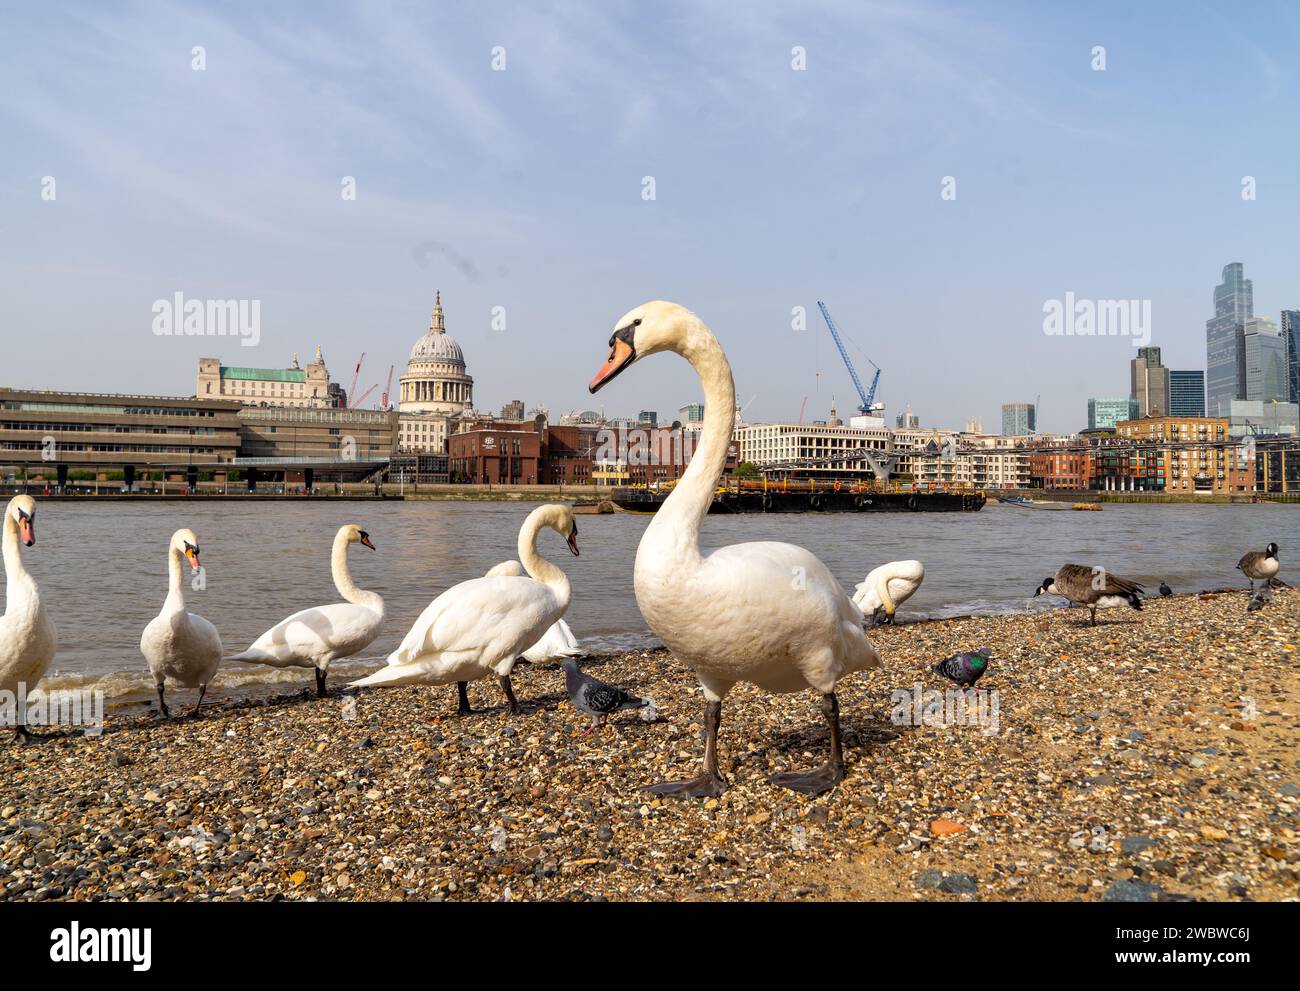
(523, 189)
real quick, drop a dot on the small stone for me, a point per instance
(1289, 790)
(958, 884)
(929, 878)
(946, 827)
(8, 812)
(1135, 844)
(1213, 833)
(1133, 891)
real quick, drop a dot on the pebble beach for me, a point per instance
(1151, 758)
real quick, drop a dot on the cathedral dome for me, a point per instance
(435, 379)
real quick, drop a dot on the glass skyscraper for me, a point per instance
(1264, 361)
(1186, 393)
(1291, 338)
(1225, 359)
(1018, 419)
(1108, 412)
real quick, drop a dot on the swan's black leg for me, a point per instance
(1094, 616)
(163, 711)
(827, 776)
(203, 690)
(510, 695)
(709, 783)
(462, 690)
(320, 683)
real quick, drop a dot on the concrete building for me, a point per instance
(434, 390)
(1264, 371)
(1186, 392)
(290, 435)
(1250, 417)
(1234, 304)
(907, 420)
(1104, 413)
(771, 443)
(52, 433)
(691, 413)
(1183, 455)
(1149, 383)
(292, 386)
(1018, 419)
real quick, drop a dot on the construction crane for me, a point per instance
(362, 398)
(383, 402)
(352, 403)
(868, 396)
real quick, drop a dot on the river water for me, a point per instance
(103, 569)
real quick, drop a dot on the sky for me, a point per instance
(519, 190)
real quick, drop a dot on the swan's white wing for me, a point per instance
(506, 569)
(311, 636)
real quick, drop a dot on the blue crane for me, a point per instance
(868, 396)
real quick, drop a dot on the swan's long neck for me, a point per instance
(679, 518)
(175, 586)
(343, 577)
(19, 584)
(538, 568)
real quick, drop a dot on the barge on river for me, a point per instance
(806, 500)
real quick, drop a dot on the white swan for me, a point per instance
(556, 642)
(482, 626)
(180, 646)
(312, 638)
(886, 588)
(27, 637)
(767, 613)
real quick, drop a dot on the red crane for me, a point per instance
(383, 403)
(352, 403)
(362, 398)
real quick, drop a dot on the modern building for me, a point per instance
(1185, 455)
(1250, 417)
(1149, 383)
(51, 433)
(1186, 392)
(434, 390)
(292, 386)
(495, 456)
(648, 418)
(418, 469)
(1290, 330)
(289, 435)
(691, 413)
(1264, 362)
(907, 420)
(777, 443)
(1104, 413)
(1225, 362)
(1018, 419)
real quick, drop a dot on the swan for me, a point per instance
(767, 613)
(557, 642)
(312, 638)
(481, 626)
(27, 637)
(181, 646)
(886, 588)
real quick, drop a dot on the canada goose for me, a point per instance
(1259, 565)
(1092, 587)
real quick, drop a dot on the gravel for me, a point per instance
(1153, 757)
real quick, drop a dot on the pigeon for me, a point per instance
(1259, 599)
(965, 668)
(1165, 590)
(595, 697)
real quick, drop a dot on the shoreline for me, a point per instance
(1149, 757)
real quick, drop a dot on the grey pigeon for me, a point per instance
(965, 668)
(1261, 598)
(595, 697)
(1165, 590)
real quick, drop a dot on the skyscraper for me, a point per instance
(1291, 338)
(1149, 383)
(1018, 419)
(1225, 360)
(1263, 361)
(1104, 413)
(1186, 393)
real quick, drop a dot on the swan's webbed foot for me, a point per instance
(826, 777)
(708, 784)
(811, 783)
(320, 683)
(462, 692)
(506, 687)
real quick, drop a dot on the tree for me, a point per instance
(747, 469)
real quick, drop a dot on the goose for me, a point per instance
(886, 588)
(766, 613)
(27, 636)
(181, 646)
(1092, 587)
(1259, 565)
(557, 642)
(482, 626)
(312, 638)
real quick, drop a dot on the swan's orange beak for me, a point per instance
(621, 354)
(27, 530)
(365, 541)
(192, 555)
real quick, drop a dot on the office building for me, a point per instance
(1225, 363)
(1104, 413)
(1263, 362)
(1149, 383)
(1018, 419)
(1186, 392)
(1290, 329)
